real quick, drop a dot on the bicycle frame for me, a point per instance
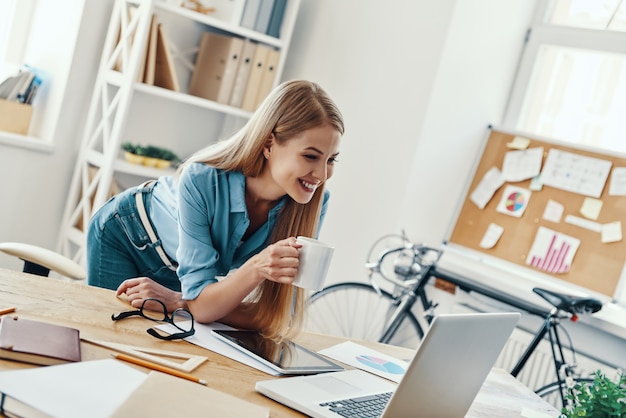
(550, 327)
(411, 288)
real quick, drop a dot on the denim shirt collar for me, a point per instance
(237, 182)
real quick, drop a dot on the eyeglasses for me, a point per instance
(155, 310)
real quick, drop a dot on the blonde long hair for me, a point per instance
(290, 109)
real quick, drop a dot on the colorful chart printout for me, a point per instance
(514, 201)
(552, 251)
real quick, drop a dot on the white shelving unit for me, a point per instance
(124, 110)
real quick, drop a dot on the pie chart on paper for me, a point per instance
(514, 201)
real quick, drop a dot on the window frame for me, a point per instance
(542, 33)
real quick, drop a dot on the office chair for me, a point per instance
(41, 261)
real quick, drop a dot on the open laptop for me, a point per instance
(442, 380)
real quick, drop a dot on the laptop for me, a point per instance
(442, 379)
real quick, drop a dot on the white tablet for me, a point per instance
(285, 357)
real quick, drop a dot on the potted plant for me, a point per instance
(601, 398)
(149, 155)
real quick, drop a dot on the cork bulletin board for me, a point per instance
(596, 264)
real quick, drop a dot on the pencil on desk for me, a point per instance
(6, 311)
(159, 368)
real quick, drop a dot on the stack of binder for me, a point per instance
(233, 71)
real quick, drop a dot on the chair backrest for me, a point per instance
(40, 261)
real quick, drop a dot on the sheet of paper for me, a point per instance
(365, 358)
(617, 186)
(552, 251)
(583, 223)
(575, 173)
(488, 185)
(553, 211)
(84, 389)
(591, 208)
(612, 232)
(522, 164)
(205, 338)
(492, 235)
(514, 201)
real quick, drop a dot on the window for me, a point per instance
(15, 18)
(571, 84)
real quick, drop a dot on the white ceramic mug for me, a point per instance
(315, 259)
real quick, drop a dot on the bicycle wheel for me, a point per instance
(552, 391)
(356, 310)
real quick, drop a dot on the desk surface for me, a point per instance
(89, 309)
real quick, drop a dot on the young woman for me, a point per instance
(232, 212)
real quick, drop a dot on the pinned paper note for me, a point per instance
(552, 251)
(617, 186)
(612, 232)
(492, 235)
(519, 143)
(575, 173)
(591, 208)
(514, 201)
(489, 184)
(583, 223)
(522, 164)
(553, 211)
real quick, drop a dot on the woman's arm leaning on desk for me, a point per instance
(222, 301)
(137, 289)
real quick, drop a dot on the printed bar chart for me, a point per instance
(552, 252)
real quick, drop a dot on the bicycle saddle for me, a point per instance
(568, 303)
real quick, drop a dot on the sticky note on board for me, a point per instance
(611, 232)
(590, 208)
(519, 143)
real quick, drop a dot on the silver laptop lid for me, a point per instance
(451, 365)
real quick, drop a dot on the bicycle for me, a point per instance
(389, 316)
(387, 310)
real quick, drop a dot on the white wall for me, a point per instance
(418, 83)
(66, 40)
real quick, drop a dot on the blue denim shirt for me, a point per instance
(205, 232)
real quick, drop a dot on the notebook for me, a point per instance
(442, 379)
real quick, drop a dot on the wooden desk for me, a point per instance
(89, 309)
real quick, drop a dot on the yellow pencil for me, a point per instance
(6, 311)
(159, 368)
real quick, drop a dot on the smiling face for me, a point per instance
(298, 166)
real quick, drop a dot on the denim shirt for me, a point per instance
(212, 218)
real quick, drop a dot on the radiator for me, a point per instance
(539, 370)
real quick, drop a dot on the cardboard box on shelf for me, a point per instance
(15, 117)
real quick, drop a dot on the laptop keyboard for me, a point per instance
(364, 406)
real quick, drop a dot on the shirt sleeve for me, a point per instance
(196, 254)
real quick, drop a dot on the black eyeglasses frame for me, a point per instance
(166, 318)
